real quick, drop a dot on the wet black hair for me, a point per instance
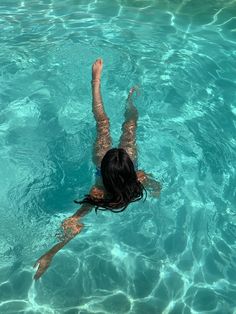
(120, 182)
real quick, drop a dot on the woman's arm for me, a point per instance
(71, 228)
(45, 260)
(70, 225)
(149, 182)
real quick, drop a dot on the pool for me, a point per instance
(175, 254)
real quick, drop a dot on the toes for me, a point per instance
(97, 66)
(98, 61)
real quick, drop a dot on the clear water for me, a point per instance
(172, 255)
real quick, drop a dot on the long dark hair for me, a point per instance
(120, 182)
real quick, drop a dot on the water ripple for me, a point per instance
(167, 256)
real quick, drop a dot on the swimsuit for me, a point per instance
(98, 172)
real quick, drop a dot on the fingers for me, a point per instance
(42, 268)
(37, 276)
(38, 273)
(155, 194)
(39, 270)
(36, 264)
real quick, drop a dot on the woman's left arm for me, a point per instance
(149, 182)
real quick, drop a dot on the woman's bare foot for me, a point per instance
(97, 70)
(133, 90)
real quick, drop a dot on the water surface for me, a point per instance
(172, 255)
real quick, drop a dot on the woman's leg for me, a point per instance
(103, 139)
(128, 137)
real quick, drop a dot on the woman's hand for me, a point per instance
(70, 228)
(43, 262)
(155, 193)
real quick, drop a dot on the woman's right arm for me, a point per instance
(71, 227)
(70, 223)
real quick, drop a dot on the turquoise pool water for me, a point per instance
(172, 255)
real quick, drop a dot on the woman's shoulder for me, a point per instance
(141, 175)
(97, 191)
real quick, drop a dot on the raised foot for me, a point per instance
(97, 70)
(133, 90)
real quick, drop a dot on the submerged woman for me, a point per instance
(118, 181)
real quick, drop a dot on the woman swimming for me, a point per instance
(118, 180)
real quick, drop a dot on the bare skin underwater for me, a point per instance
(72, 225)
